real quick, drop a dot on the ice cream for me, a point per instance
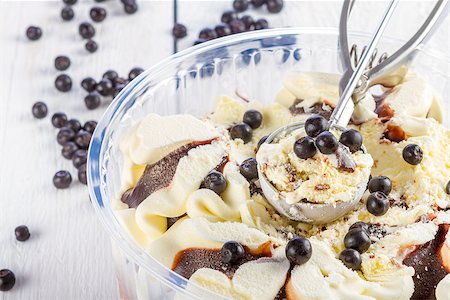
(190, 187)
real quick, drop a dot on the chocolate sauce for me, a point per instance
(188, 261)
(171, 221)
(158, 175)
(317, 108)
(345, 160)
(428, 265)
(394, 133)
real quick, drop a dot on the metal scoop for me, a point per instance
(353, 86)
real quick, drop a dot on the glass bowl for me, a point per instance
(251, 65)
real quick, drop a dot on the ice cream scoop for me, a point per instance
(353, 86)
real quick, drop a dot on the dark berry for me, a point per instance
(82, 174)
(232, 252)
(69, 149)
(326, 142)
(222, 30)
(7, 280)
(111, 75)
(249, 168)
(92, 100)
(305, 147)
(91, 46)
(261, 141)
(135, 72)
(447, 188)
(215, 182)
(298, 250)
(240, 5)
(357, 239)
(79, 158)
(117, 89)
(65, 135)
(253, 118)
(67, 13)
(98, 14)
(412, 154)
(39, 110)
(62, 179)
(377, 203)
(228, 16)
(274, 6)
(360, 225)
(199, 41)
(207, 34)
(351, 259)
(34, 33)
(237, 26)
(70, 2)
(88, 84)
(258, 3)
(83, 138)
(241, 131)
(249, 22)
(59, 120)
(352, 139)
(179, 31)
(261, 24)
(86, 30)
(89, 126)
(130, 8)
(74, 124)
(315, 124)
(62, 63)
(105, 87)
(380, 184)
(63, 83)
(22, 233)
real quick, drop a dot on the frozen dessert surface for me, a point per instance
(191, 196)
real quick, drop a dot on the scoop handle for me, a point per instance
(344, 108)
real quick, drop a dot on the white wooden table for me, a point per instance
(68, 255)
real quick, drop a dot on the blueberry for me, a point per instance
(360, 225)
(111, 75)
(249, 22)
(305, 147)
(70, 2)
(240, 5)
(88, 84)
(447, 188)
(89, 126)
(326, 142)
(63, 83)
(7, 280)
(249, 168)
(228, 16)
(377, 203)
(261, 141)
(62, 179)
(34, 33)
(79, 158)
(69, 149)
(62, 63)
(298, 250)
(222, 30)
(82, 139)
(59, 120)
(357, 239)
(237, 26)
(351, 259)
(39, 110)
(412, 154)
(91, 46)
(105, 87)
(86, 30)
(215, 182)
(74, 124)
(92, 100)
(97, 14)
(82, 174)
(261, 24)
(130, 8)
(232, 252)
(241, 131)
(67, 13)
(274, 6)
(253, 118)
(352, 139)
(315, 125)
(207, 34)
(135, 72)
(65, 135)
(380, 184)
(258, 3)
(179, 31)
(22, 233)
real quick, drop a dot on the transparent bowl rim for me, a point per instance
(106, 215)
